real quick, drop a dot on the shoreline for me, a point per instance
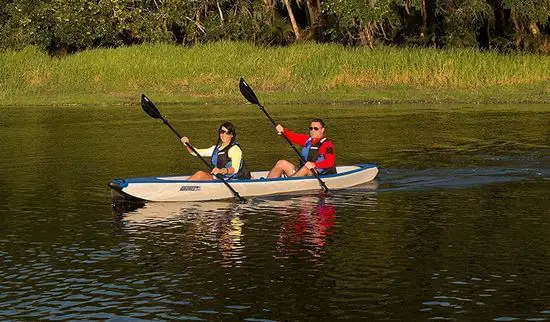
(106, 100)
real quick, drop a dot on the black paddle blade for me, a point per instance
(149, 107)
(247, 92)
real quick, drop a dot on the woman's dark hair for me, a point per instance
(230, 129)
(318, 121)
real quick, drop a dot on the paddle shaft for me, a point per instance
(314, 171)
(219, 176)
(165, 121)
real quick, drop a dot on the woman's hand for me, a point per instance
(185, 140)
(221, 171)
(280, 129)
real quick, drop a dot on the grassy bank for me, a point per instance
(301, 73)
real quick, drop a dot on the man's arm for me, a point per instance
(296, 138)
(327, 150)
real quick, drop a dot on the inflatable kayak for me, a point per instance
(179, 188)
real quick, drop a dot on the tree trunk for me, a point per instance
(424, 27)
(314, 18)
(220, 11)
(483, 35)
(271, 8)
(313, 12)
(292, 19)
(429, 22)
(518, 31)
(366, 36)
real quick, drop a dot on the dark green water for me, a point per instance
(456, 227)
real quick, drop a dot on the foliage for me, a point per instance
(66, 26)
(365, 18)
(462, 20)
(531, 10)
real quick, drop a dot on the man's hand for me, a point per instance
(310, 165)
(280, 129)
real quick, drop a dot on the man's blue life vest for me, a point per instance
(310, 152)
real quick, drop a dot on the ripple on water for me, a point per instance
(445, 178)
(474, 295)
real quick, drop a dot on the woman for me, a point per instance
(226, 156)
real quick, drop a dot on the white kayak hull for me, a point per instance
(179, 188)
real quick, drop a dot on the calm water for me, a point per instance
(456, 227)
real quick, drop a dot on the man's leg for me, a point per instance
(280, 168)
(303, 172)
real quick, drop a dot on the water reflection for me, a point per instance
(199, 226)
(304, 222)
(295, 224)
(308, 221)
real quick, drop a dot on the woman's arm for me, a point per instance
(202, 152)
(236, 155)
(206, 152)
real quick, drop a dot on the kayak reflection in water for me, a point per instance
(310, 227)
(197, 227)
(226, 156)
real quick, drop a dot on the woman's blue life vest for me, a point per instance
(311, 153)
(220, 159)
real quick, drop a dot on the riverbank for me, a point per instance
(303, 73)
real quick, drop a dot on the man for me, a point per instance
(317, 150)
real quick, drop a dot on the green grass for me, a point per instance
(303, 73)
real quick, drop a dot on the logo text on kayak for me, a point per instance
(190, 188)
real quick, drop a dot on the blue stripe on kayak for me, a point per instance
(125, 182)
(121, 183)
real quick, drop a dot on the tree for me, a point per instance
(292, 19)
(462, 20)
(363, 20)
(527, 16)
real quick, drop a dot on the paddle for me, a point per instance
(150, 108)
(248, 93)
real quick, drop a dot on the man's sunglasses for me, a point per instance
(311, 128)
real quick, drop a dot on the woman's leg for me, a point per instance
(201, 175)
(280, 168)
